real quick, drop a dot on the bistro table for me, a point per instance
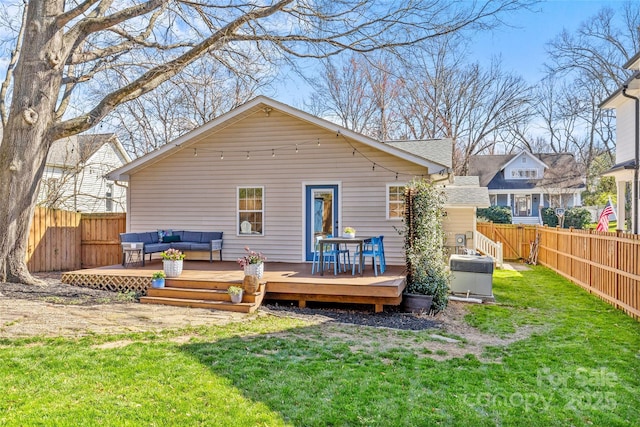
(339, 240)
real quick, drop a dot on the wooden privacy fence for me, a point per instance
(515, 238)
(63, 241)
(605, 264)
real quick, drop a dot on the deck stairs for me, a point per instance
(204, 294)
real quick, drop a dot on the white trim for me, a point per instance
(238, 234)
(303, 203)
(386, 208)
(524, 153)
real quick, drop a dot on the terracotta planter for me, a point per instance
(416, 303)
(172, 268)
(254, 270)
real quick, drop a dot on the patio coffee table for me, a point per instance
(132, 254)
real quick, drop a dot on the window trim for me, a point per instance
(262, 211)
(388, 201)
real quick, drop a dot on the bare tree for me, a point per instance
(63, 47)
(584, 68)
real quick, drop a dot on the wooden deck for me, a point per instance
(203, 284)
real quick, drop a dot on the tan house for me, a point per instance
(272, 177)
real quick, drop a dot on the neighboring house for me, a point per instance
(272, 178)
(527, 182)
(74, 178)
(625, 171)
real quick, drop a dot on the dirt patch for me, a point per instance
(58, 309)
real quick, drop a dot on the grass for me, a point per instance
(577, 363)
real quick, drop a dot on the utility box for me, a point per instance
(471, 275)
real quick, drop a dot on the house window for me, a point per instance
(395, 201)
(250, 210)
(109, 198)
(524, 173)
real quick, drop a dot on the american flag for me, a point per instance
(603, 221)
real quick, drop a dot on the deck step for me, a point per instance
(215, 299)
(242, 307)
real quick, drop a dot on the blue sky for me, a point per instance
(522, 46)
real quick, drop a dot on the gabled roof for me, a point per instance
(437, 150)
(562, 172)
(525, 154)
(262, 104)
(77, 149)
(632, 84)
(466, 192)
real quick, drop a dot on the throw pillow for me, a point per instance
(162, 234)
(170, 239)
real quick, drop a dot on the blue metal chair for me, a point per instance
(373, 249)
(329, 254)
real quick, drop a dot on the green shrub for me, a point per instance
(577, 218)
(573, 217)
(424, 243)
(495, 214)
(549, 217)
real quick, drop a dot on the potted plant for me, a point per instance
(157, 279)
(252, 263)
(172, 260)
(427, 277)
(235, 293)
(349, 232)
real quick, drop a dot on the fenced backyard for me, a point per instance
(606, 264)
(63, 241)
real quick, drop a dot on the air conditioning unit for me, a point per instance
(471, 275)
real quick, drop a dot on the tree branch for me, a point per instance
(15, 54)
(159, 74)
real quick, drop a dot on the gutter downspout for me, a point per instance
(637, 159)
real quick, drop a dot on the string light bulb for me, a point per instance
(296, 148)
(222, 155)
(248, 155)
(273, 153)
(318, 142)
(195, 152)
(373, 168)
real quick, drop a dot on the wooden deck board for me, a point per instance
(283, 281)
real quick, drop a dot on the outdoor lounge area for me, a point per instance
(203, 284)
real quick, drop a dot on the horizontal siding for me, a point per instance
(625, 133)
(459, 221)
(193, 192)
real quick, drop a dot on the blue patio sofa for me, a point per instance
(210, 241)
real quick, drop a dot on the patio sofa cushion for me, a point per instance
(191, 236)
(183, 246)
(171, 239)
(155, 247)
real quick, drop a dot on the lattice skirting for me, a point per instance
(108, 283)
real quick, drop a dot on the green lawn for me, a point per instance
(578, 363)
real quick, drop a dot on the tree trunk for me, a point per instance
(25, 140)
